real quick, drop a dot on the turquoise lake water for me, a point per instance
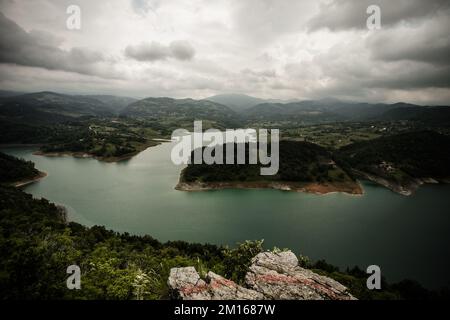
(408, 237)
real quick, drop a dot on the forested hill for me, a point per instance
(303, 166)
(327, 111)
(181, 111)
(424, 154)
(13, 169)
(49, 107)
(299, 161)
(400, 162)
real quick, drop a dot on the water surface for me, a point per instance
(408, 237)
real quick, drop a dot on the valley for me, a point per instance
(114, 129)
(109, 168)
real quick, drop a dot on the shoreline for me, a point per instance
(407, 190)
(85, 155)
(23, 183)
(313, 187)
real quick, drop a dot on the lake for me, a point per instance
(408, 237)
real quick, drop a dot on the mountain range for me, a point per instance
(50, 107)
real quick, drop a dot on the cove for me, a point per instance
(408, 237)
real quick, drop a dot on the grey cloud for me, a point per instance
(147, 51)
(349, 14)
(259, 73)
(182, 50)
(347, 71)
(154, 51)
(429, 44)
(262, 21)
(417, 77)
(142, 7)
(38, 49)
(261, 48)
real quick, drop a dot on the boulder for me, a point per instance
(274, 276)
(278, 276)
(185, 284)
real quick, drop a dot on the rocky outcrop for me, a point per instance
(273, 276)
(186, 284)
(279, 277)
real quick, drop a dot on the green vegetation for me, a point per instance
(299, 162)
(326, 141)
(113, 138)
(37, 245)
(182, 113)
(13, 169)
(404, 160)
(111, 127)
(424, 154)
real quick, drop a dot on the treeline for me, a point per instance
(423, 154)
(420, 154)
(299, 162)
(13, 169)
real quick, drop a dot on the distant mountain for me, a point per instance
(231, 109)
(237, 102)
(429, 115)
(165, 109)
(6, 93)
(327, 110)
(50, 107)
(304, 111)
(114, 103)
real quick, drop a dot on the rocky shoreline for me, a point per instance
(406, 189)
(313, 187)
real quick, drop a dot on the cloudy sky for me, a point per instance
(290, 49)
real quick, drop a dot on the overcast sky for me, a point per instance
(289, 49)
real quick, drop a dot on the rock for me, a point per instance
(185, 284)
(271, 276)
(278, 276)
(223, 289)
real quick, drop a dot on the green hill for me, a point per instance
(404, 161)
(13, 169)
(49, 107)
(184, 112)
(303, 166)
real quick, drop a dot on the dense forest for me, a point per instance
(37, 245)
(423, 154)
(13, 169)
(299, 162)
(398, 158)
